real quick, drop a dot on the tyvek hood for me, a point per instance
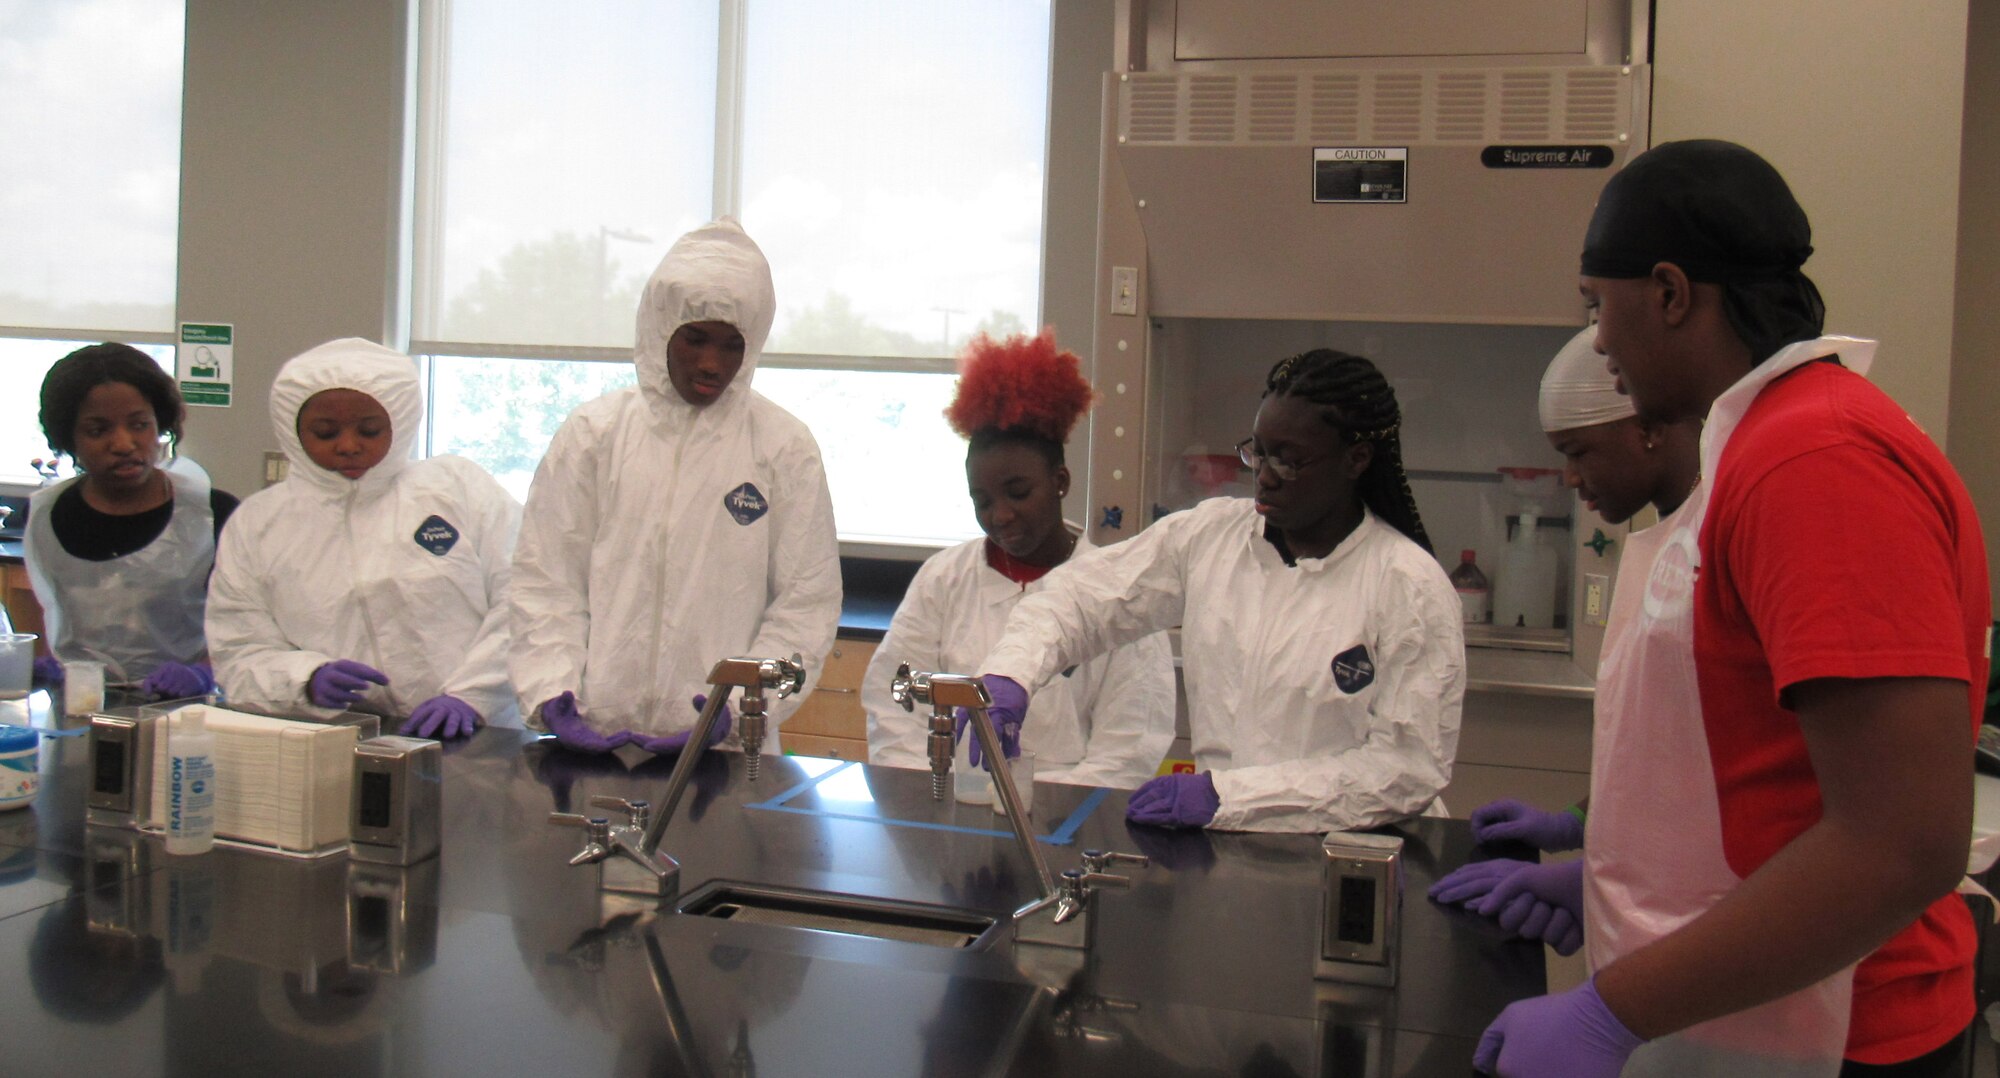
(715, 273)
(385, 374)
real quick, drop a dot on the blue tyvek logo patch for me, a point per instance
(1353, 670)
(436, 535)
(745, 504)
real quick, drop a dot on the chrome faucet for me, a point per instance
(1060, 917)
(628, 856)
(1064, 919)
(910, 688)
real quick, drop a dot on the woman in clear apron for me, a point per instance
(120, 555)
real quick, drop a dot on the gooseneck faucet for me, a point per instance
(1060, 915)
(628, 857)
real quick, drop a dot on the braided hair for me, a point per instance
(1355, 399)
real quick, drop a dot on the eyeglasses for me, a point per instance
(1255, 461)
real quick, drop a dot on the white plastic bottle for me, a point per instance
(1525, 595)
(190, 784)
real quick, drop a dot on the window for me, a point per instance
(887, 157)
(89, 191)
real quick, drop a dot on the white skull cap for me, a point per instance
(1577, 389)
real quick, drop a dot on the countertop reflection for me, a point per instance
(498, 958)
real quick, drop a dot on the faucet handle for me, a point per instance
(1097, 861)
(783, 676)
(597, 835)
(638, 811)
(910, 687)
(1102, 879)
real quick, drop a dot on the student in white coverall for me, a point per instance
(366, 579)
(1322, 645)
(1104, 722)
(675, 523)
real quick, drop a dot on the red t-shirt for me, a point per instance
(1839, 543)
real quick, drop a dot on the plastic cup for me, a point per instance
(1023, 769)
(969, 785)
(83, 687)
(17, 665)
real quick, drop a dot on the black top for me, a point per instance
(93, 536)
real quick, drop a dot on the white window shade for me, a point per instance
(893, 158)
(90, 179)
(566, 146)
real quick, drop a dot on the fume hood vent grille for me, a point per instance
(1152, 108)
(1593, 104)
(1527, 101)
(1336, 109)
(1501, 105)
(1274, 108)
(1211, 108)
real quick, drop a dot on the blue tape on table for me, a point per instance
(1063, 835)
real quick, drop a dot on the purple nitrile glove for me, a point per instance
(174, 681)
(1179, 800)
(1473, 881)
(1508, 819)
(1572, 1034)
(1009, 734)
(1542, 902)
(341, 682)
(562, 718)
(48, 670)
(1008, 711)
(442, 717)
(674, 743)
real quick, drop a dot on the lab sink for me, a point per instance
(842, 914)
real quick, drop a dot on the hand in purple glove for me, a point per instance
(1179, 800)
(1543, 902)
(1572, 1034)
(1008, 733)
(567, 723)
(175, 681)
(442, 717)
(1008, 711)
(341, 682)
(48, 670)
(1510, 820)
(1470, 882)
(674, 743)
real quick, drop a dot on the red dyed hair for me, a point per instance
(1019, 384)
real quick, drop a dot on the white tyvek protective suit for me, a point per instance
(1107, 722)
(1322, 696)
(661, 537)
(404, 569)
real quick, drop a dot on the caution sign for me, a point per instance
(1361, 174)
(205, 363)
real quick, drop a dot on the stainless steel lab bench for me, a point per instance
(497, 958)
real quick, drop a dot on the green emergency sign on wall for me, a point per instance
(204, 363)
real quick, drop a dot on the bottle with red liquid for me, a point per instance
(1475, 592)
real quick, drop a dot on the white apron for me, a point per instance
(1653, 853)
(132, 613)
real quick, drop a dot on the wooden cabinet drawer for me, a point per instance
(830, 713)
(846, 664)
(833, 748)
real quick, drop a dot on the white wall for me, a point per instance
(291, 171)
(1859, 104)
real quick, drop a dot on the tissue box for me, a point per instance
(280, 783)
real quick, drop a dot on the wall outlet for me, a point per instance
(276, 467)
(1125, 290)
(1596, 598)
